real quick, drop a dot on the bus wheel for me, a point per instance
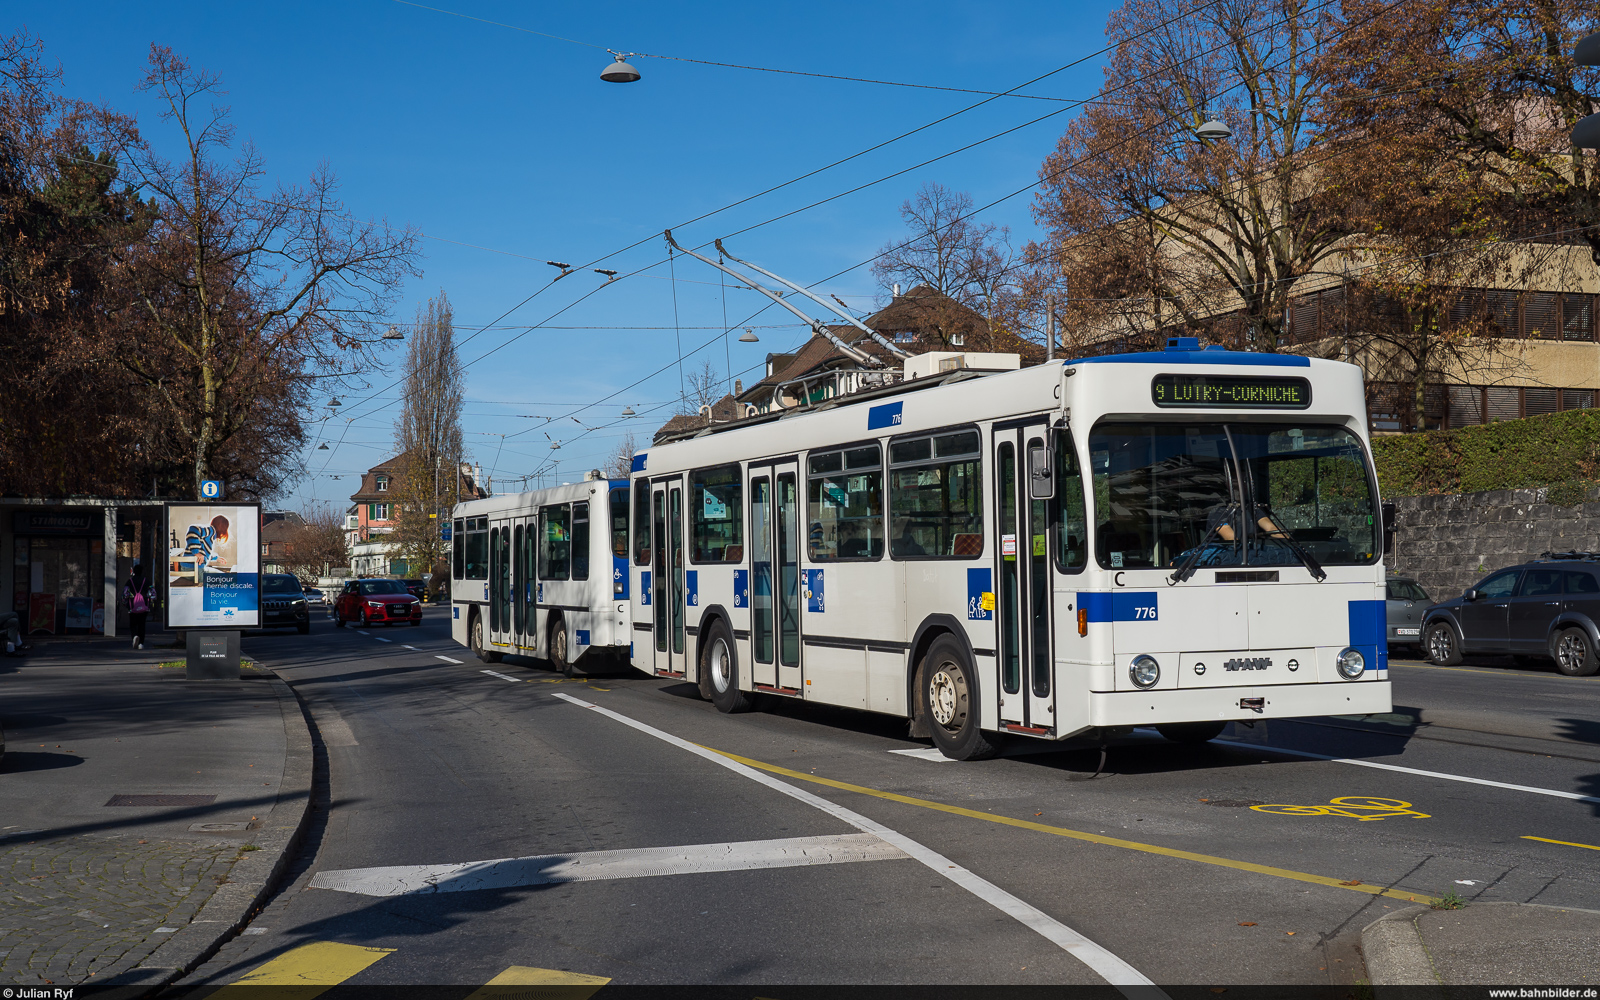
(950, 693)
(475, 639)
(720, 667)
(1192, 732)
(558, 647)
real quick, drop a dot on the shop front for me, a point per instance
(68, 559)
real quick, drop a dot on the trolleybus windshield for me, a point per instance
(1240, 492)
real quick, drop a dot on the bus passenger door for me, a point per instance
(786, 513)
(1024, 488)
(667, 583)
(500, 629)
(763, 622)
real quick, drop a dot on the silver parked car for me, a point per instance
(1406, 602)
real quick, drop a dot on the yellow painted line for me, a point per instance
(1563, 843)
(576, 985)
(1093, 838)
(312, 969)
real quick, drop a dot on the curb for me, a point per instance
(1393, 950)
(252, 878)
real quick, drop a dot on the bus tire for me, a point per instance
(475, 640)
(1192, 732)
(949, 690)
(1443, 646)
(558, 647)
(719, 665)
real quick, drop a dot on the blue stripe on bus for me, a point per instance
(583, 636)
(1369, 632)
(639, 460)
(1120, 606)
(619, 577)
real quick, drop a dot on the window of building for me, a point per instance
(1578, 317)
(936, 497)
(844, 511)
(1541, 316)
(717, 514)
(378, 511)
(382, 483)
(555, 542)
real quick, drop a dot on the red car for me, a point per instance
(372, 601)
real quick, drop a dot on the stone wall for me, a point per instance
(1449, 542)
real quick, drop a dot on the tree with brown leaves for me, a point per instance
(250, 300)
(428, 437)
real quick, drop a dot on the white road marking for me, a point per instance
(359, 632)
(382, 639)
(1104, 964)
(403, 645)
(504, 677)
(926, 753)
(447, 659)
(1556, 793)
(594, 866)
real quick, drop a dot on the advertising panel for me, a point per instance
(213, 565)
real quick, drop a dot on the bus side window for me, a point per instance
(641, 522)
(936, 497)
(1072, 522)
(844, 504)
(458, 548)
(555, 542)
(619, 521)
(580, 541)
(476, 560)
(716, 513)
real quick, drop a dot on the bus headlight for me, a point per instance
(1351, 664)
(1144, 671)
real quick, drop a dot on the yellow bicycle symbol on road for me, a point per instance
(1360, 807)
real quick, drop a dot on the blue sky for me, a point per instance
(507, 140)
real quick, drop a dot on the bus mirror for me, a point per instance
(1389, 518)
(1041, 483)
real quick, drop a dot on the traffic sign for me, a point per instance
(211, 489)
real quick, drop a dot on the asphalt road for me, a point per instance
(1161, 862)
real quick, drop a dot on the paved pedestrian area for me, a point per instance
(75, 909)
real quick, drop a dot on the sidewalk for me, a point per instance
(142, 816)
(1516, 944)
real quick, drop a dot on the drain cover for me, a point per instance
(162, 800)
(217, 827)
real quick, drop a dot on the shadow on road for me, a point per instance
(17, 761)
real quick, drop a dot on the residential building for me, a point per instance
(277, 530)
(374, 514)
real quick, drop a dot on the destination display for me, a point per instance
(1233, 392)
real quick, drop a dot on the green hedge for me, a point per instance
(1560, 450)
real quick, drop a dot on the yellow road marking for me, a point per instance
(312, 969)
(1361, 807)
(1061, 831)
(1563, 843)
(570, 985)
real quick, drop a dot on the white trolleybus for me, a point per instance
(543, 573)
(1173, 539)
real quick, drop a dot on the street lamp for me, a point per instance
(627, 411)
(1213, 131)
(393, 334)
(619, 71)
(749, 337)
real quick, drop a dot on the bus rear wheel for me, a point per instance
(475, 640)
(1192, 732)
(558, 648)
(719, 667)
(949, 695)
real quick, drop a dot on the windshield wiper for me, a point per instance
(1282, 535)
(1187, 567)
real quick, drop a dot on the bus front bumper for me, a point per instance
(1286, 701)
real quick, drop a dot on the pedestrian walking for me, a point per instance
(141, 598)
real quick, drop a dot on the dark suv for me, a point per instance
(283, 602)
(1545, 609)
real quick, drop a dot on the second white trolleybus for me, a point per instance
(1174, 539)
(543, 573)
